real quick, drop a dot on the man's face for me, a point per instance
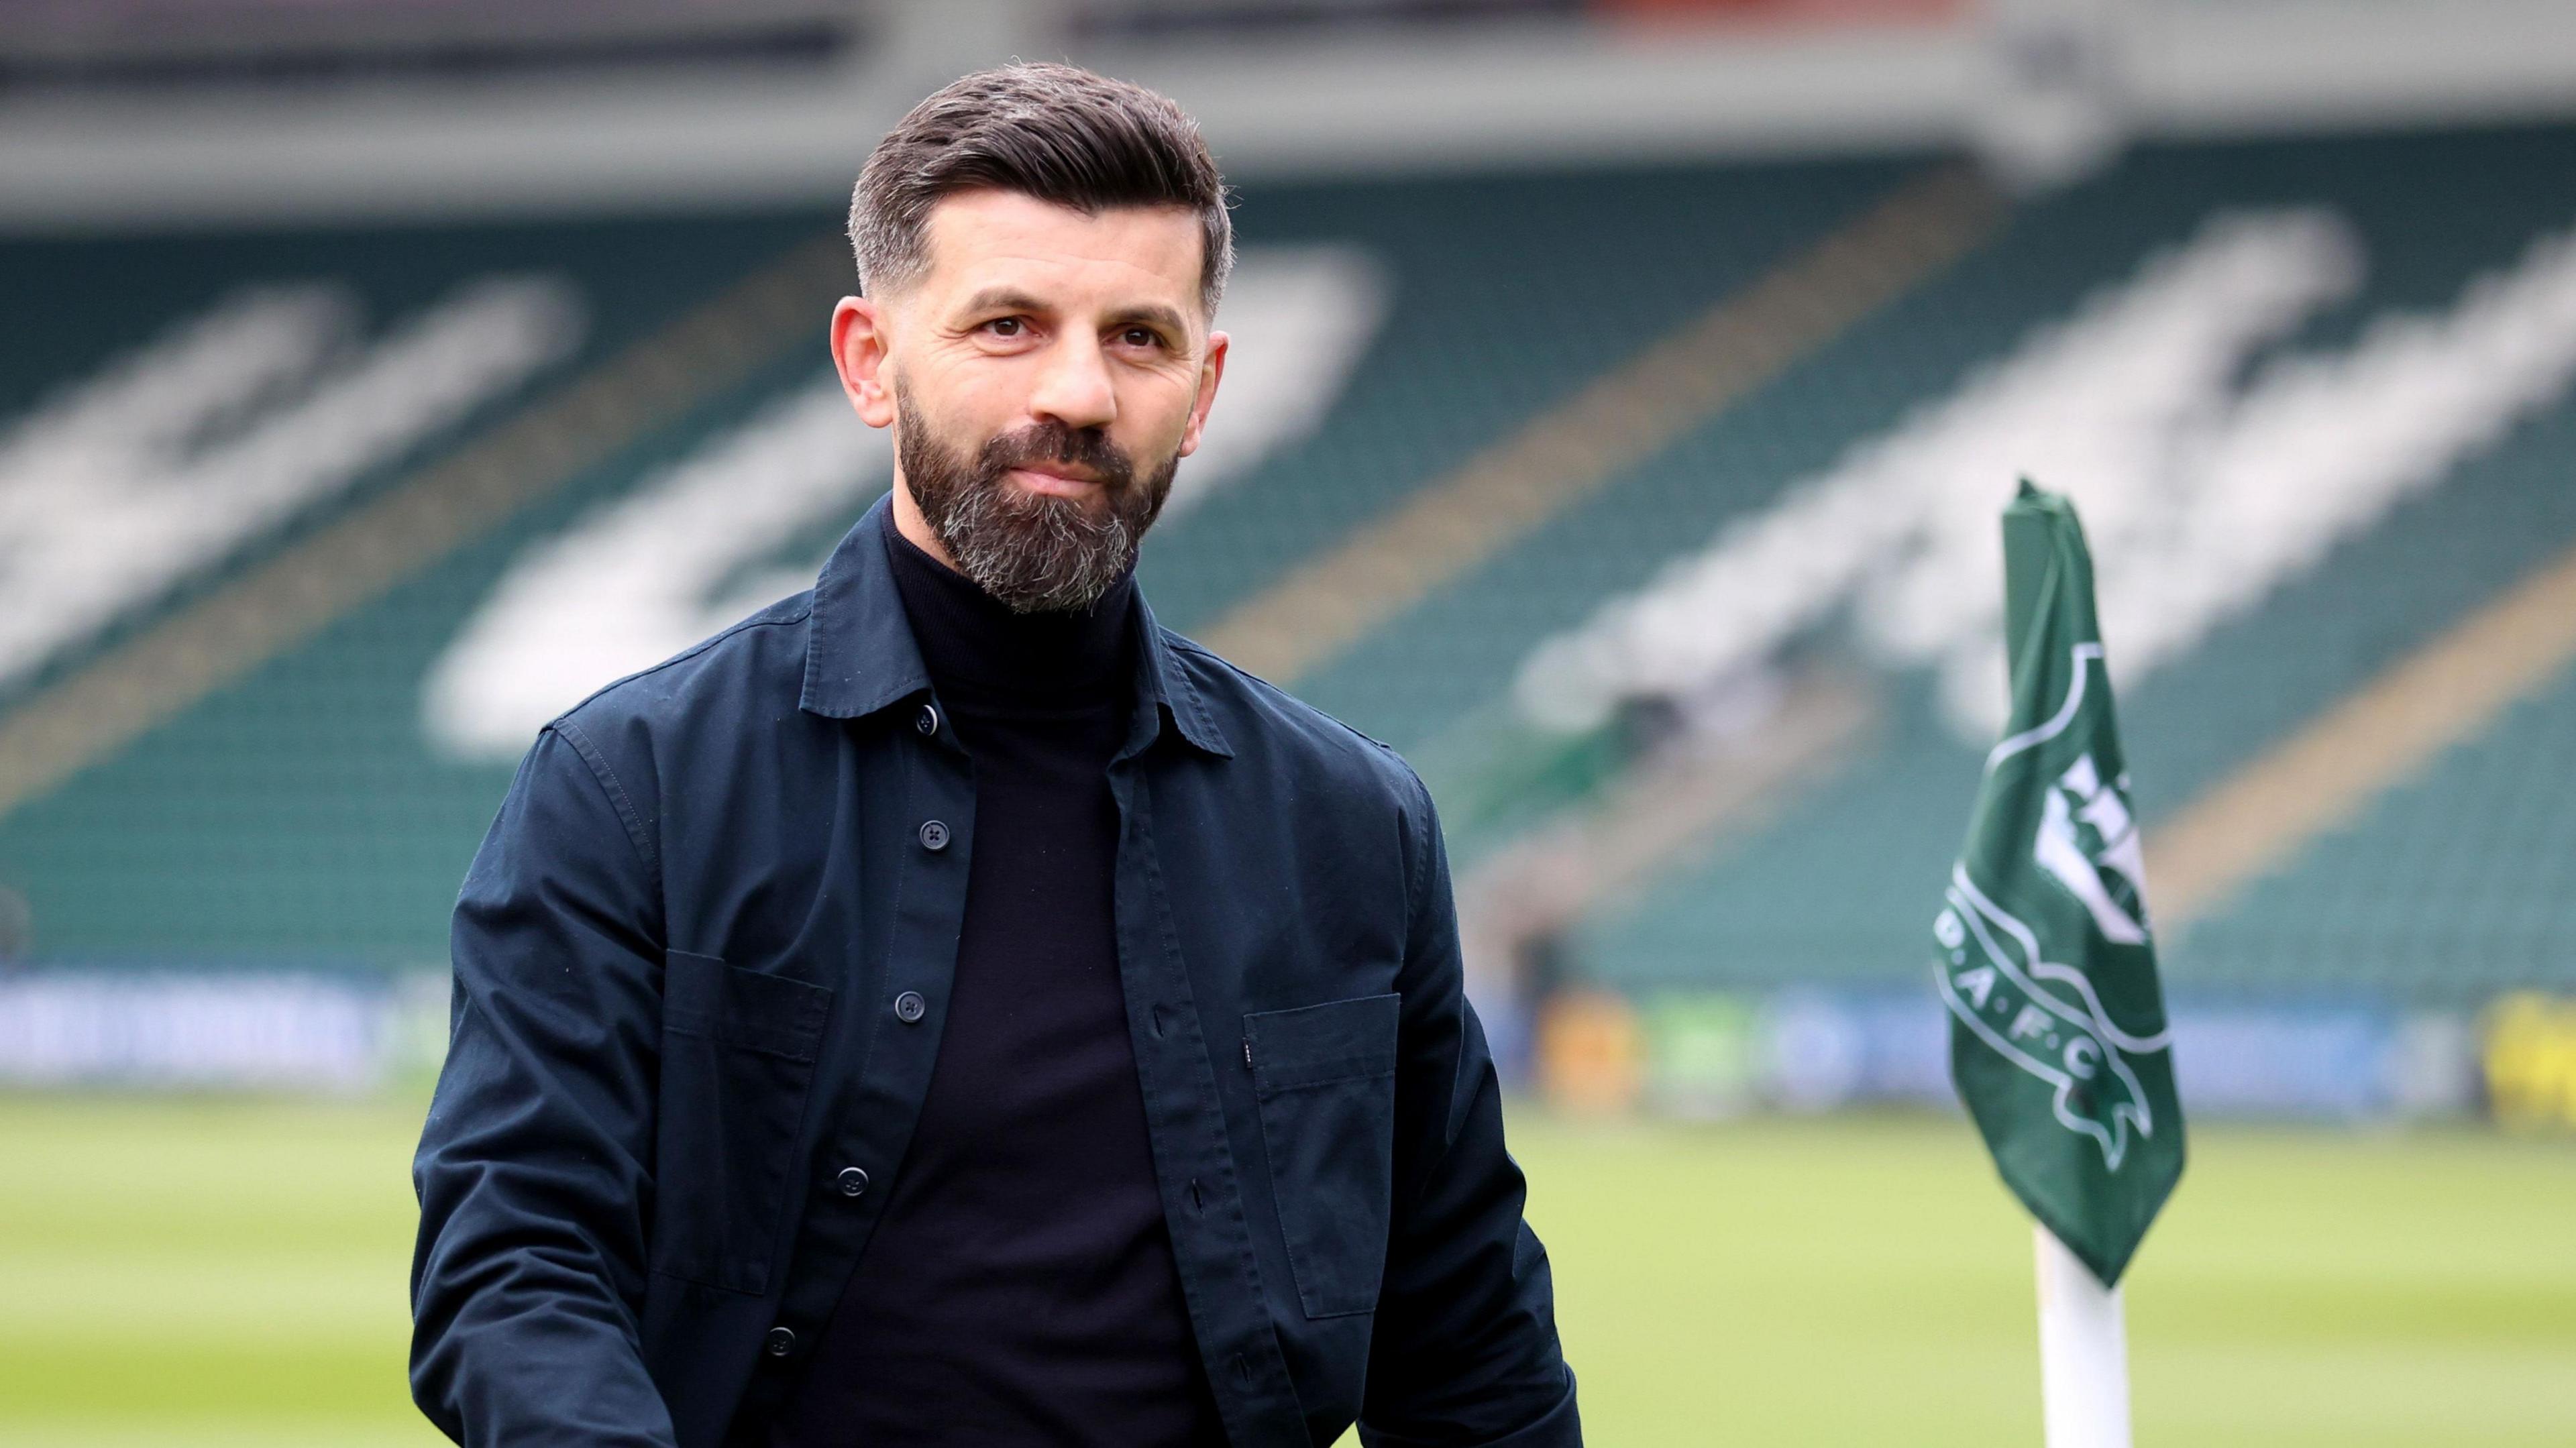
(1045, 375)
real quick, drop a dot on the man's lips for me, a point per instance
(1041, 480)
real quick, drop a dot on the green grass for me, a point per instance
(184, 1273)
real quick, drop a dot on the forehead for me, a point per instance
(976, 239)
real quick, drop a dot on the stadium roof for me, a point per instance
(2051, 83)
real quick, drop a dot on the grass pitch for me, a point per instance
(232, 1273)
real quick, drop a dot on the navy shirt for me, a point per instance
(1020, 1287)
(703, 961)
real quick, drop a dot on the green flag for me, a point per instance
(2047, 960)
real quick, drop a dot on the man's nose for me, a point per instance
(1074, 387)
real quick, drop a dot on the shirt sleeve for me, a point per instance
(1465, 1348)
(535, 1165)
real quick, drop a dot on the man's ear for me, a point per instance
(1211, 372)
(859, 354)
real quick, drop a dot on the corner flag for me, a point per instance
(2048, 966)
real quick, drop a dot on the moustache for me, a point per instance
(1053, 444)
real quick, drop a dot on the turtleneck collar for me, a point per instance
(972, 642)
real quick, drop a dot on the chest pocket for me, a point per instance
(1325, 1080)
(738, 1053)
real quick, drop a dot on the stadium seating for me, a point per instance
(289, 814)
(1816, 894)
(318, 806)
(2450, 889)
(315, 802)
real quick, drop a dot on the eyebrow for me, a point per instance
(1002, 299)
(1007, 299)
(1157, 314)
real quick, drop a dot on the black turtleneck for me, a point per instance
(1020, 1288)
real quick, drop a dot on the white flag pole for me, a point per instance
(2083, 1352)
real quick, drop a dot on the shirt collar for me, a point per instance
(860, 656)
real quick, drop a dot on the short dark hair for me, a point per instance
(1055, 132)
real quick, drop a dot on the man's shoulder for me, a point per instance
(734, 673)
(1281, 731)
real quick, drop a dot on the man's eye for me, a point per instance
(1142, 337)
(1004, 326)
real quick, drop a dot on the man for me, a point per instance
(947, 1007)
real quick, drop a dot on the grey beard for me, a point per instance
(1033, 552)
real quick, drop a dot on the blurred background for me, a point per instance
(1623, 397)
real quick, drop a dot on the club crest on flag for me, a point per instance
(2091, 846)
(2046, 947)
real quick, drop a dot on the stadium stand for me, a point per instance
(206, 773)
(316, 804)
(1720, 803)
(2440, 518)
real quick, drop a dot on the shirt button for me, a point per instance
(780, 1342)
(927, 721)
(1242, 1367)
(934, 835)
(853, 1180)
(910, 1007)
